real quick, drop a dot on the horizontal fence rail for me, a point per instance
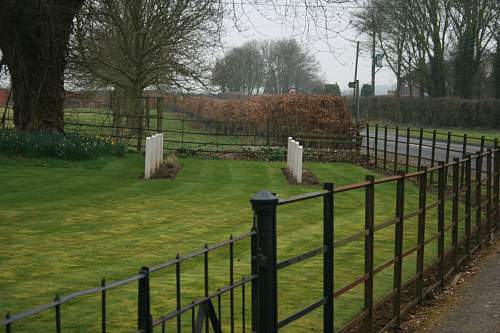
(466, 214)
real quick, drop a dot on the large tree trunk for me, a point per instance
(34, 37)
(496, 69)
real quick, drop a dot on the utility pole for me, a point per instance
(356, 84)
(374, 60)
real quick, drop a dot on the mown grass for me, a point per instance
(65, 225)
(179, 133)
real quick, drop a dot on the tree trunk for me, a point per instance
(497, 68)
(34, 38)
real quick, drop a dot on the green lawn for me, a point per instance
(66, 225)
(180, 133)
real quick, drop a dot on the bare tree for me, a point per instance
(134, 44)
(241, 69)
(474, 29)
(270, 66)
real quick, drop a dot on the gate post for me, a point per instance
(265, 255)
(328, 289)
(144, 321)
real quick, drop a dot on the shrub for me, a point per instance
(58, 145)
(278, 115)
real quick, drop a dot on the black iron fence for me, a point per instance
(391, 147)
(453, 221)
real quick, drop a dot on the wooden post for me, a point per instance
(441, 211)
(369, 242)
(398, 248)
(421, 234)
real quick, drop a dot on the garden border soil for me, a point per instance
(308, 178)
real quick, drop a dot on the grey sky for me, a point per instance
(336, 54)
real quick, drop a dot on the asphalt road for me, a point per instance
(456, 149)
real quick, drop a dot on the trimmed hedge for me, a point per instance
(58, 145)
(307, 113)
(437, 112)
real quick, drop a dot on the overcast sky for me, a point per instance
(336, 52)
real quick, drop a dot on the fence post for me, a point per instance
(57, 300)
(496, 183)
(479, 171)
(144, 322)
(255, 283)
(8, 327)
(159, 114)
(408, 138)
(420, 142)
(396, 144)
(103, 306)
(398, 248)
(488, 194)
(454, 212)
(433, 154)
(482, 143)
(140, 133)
(369, 242)
(448, 146)
(368, 141)
(264, 206)
(468, 202)
(422, 202)
(464, 153)
(146, 114)
(441, 210)
(328, 271)
(376, 146)
(385, 148)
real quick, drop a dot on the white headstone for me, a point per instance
(300, 154)
(288, 152)
(147, 159)
(161, 148)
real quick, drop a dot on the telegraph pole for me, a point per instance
(356, 84)
(374, 61)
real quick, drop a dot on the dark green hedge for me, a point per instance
(437, 112)
(58, 145)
